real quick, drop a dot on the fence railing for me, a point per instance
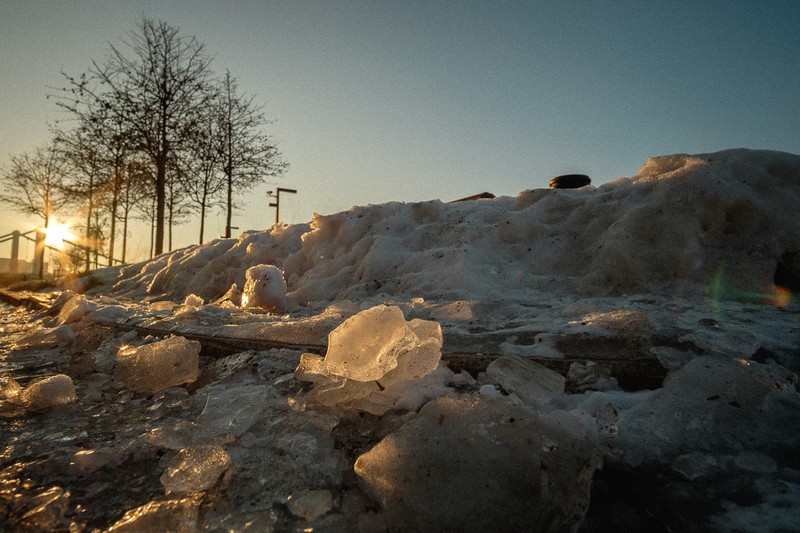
(38, 238)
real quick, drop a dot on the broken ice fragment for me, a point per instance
(158, 366)
(75, 309)
(195, 469)
(377, 361)
(517, 470)
(233, 409)
(310, 504)
(46, 338)
(48, 393)
(365, 346)
(179, 516)
(530, 381)
(265, 288)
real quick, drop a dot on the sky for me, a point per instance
(380, 101)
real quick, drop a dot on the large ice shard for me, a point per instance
(477, 465)
(158, 366)
(377, 360)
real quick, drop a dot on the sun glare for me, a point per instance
(56, 233)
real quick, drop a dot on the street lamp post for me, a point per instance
(277, 203)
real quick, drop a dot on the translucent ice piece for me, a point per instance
(530, 381)
(48, 393)
(195, 469)
(158, 366)
(233, 409)
(517, 470)
(75, 309)
(365, 346)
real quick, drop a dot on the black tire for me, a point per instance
(570, 181)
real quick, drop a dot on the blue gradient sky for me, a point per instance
(380, 101)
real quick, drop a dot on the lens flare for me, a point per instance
(56, 233)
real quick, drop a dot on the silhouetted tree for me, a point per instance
(247, 155)
(33, 183)
(156, 83)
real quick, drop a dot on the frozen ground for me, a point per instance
(612, 358)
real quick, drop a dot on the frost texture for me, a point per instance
(158, 366)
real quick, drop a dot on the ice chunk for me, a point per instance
(86, 462)
(10, 401)
(46, 337)
(195, 469)
(310, 504)
(233, 409)
(365, 346)
(265, 288)
(490, 465)
(377, 361)
(180, 516)
(157, 366)
(755, 461)
(75, 309)
(48, 393)
(530, 381)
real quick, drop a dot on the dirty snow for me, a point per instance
(605, 358)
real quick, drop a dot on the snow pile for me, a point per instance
(681, 219)
(376, 361)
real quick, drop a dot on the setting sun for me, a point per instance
(56, 234)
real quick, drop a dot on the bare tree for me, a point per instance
(204, 180)
(247, 155)
(33, 183)
(135, 191)
(87, 180)
(155, 83)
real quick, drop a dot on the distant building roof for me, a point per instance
(480, 196)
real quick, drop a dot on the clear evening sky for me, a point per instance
(377, 101)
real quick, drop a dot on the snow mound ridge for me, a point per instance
(682, 219)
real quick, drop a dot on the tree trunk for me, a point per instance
(161, 181)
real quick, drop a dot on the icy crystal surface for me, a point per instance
(376, 361)
(195, 469)
(233, 409)
(530, 381)
(158, 366)
(48, 393)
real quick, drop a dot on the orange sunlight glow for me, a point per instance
(782, 296)
(56, 233)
